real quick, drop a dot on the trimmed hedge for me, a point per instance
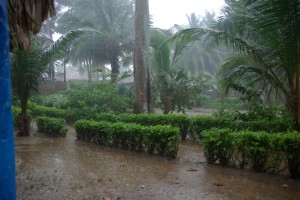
(176, 120)
(51, 126)
(162, 140)
(261, 151)
(49, 112)
(202, 123)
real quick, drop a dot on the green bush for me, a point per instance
(51, 126)
(57, 100)
(100, 97)
(218, 146)
(162, 140)
(238, 123)
(48, 111)
(261, 151)
(177, 120)
(202, 122)
(290, 145)
(256, 148)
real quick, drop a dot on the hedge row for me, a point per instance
(193, 125)
(202, 123)
(162, 140)
(261, 151)
(51, 126)
(49, 112)
(177, 120)
(70, 115)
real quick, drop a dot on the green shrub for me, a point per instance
(290, 145)
(49, 112)
(218, 146)
(162, 140)
(261, 151)
(100, 97)
(57, 100)
(203, 122)
(51, 126)
(177, 120)
(238, 123)
(256, 147)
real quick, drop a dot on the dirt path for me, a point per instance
(63, 168)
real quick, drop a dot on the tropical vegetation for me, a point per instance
(28, 69)
(264, 36)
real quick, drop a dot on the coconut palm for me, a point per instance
(27, 69)
(141, 56)
(201, 56)
(265, 36)
(113, 18)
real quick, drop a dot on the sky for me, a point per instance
(166, 13)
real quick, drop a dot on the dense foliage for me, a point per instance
(271, 120)
(92, 97)
(264, 36)
(51, 126)
(38, 110)
(261, 151)
(162, 140)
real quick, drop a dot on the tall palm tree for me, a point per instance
(113, 18)
(141, 56)
(27, 69)
(265, 36)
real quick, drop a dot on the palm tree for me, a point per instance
(27, 69)
(176, 88)
(141, 55)
(265, 37)
(161, 67)
(113, 18)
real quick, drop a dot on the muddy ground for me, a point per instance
(63, 168)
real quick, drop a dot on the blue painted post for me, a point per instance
(7, 152)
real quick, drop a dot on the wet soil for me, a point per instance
(64, 168)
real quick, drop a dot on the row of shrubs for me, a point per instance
(260, 151)
(162, 140)
(202, 123)
(177, 120)
(193, 125)
(51, 126)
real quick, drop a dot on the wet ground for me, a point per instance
(63, 168)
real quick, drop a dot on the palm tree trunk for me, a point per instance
(24, 121)
(65, 72)
(150, 108)
(114, 68)
(166, 104)
(141, 60)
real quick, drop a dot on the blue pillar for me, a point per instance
(7, 152)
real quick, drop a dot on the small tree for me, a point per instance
(27, 69)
